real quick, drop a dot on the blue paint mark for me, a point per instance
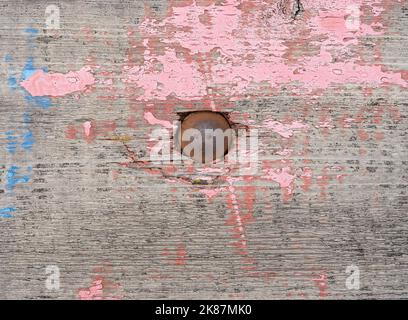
(13, 179)
(31, 31)
(32, 34)
(43, 102)
(8, 57)
(11, 142)
(6, 212)
(11, 147)
(28, 69)
(24, 137)
(27, 117)
(28, 141)
(12, 82)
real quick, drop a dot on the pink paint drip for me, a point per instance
(321, 283)
(58, 84)
(238, 222)
(181, 255)
(236, 214)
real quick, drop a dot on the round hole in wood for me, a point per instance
(205, 136)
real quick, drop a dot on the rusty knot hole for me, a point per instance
(205, 136)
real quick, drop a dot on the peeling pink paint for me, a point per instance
(306, 176)
(58, 84)
(181, 254)
(347, 122)
(211, 193)
(285, 152)
(87, 128)
(151, 119)
(234, 50)
(325, 124)
(340, 177)
(285, 130)
(91, 130)
(96, 291)
(177, 256)
(284, 177)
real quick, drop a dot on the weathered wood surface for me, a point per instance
(324, 82)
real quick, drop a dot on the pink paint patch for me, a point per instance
(58, 84)
(284, 177)
(87, 128)
(285, 130)
(94, 292)
(150, 118)
(181, 255)
(100, 288)
(232, 50)
(321, 283)
(239, 230)
(211, 193)
(325, 124)
(71, 132)
(285, 152)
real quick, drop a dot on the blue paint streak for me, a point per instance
(28, 71)
(13, 179)
(12, 82)
(11, 147)
(11, 142)
(43, 102)
(27, 117)
(28, 141)
(8, 57)
(5, 212)
(31, 31)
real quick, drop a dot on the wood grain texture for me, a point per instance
(91, 203)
